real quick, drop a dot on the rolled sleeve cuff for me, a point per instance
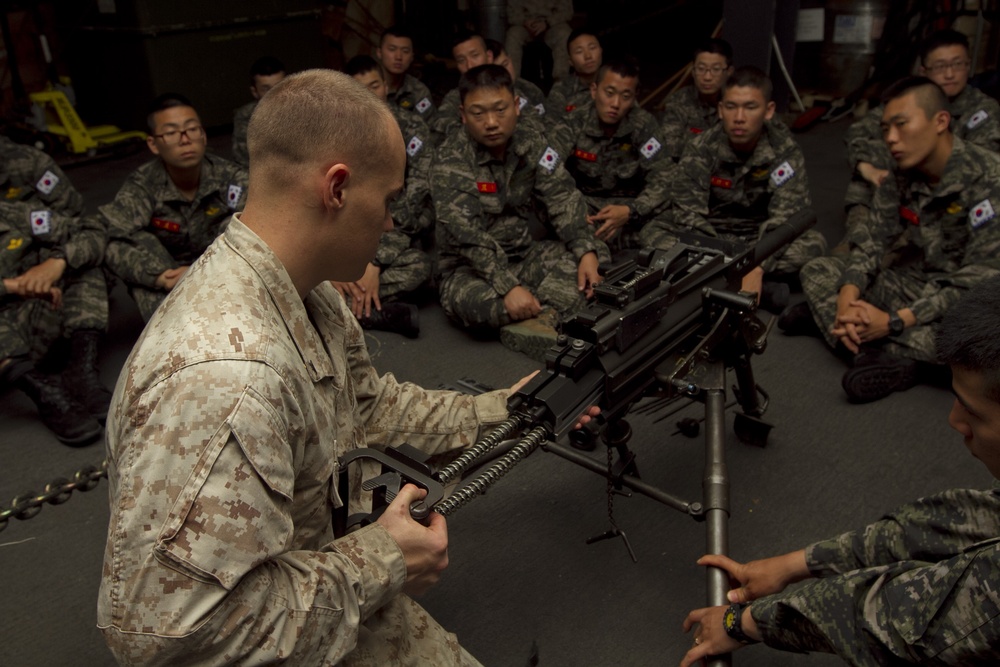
(504, 281)
(925, 310)
(491, 407)
(379, 562)
(853, 276)
(581, 247)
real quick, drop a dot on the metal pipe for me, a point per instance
(715, 486)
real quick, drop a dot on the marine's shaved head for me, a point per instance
(314, 118)
(928, 94)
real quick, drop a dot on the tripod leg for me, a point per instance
(715, 486)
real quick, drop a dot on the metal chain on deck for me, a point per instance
(29, 504)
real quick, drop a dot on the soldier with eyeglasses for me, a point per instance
(171, 208)
(695, 108)
(975, 119)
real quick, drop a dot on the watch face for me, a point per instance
(729, 618)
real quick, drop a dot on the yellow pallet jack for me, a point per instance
(62, 121)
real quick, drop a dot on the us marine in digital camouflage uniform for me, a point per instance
(247, 385)
(614, 152)
(52, 287)
(939, 209)
(695, 108)
(919, 586)
(739, 180)
(573, 90)
(486, 183)
(975, 118)
(172, 208)
(265, 73)
(404, 91)
(400, 265)
(471, 51)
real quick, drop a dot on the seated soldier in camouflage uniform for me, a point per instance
(403, 91)
(52, 286)
(529, 96)
(471, 51)
(265, 73)
(400, 264)
(530, 19)
(171, 208)
(739, 180)
(975, 119)
(939, 207)
(614, 151)
(695, 108)
(573, 91)
(918, 587)
(486, 182)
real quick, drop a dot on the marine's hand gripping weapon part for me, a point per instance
(653, 325)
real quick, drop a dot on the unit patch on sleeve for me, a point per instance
(233, 196)
(976, 119)
(47, 183)
(650, 148)
(981, 213)
(41, 222)
(414, 146)
(549, 159)
(781, 175)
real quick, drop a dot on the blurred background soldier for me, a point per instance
(264, 74)
(530, 19)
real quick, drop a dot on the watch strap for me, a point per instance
(732, 623)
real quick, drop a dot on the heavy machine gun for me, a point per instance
(670, 323)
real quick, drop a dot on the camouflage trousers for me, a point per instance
(890, 291)
(548, 271)
(555, 38)
(147, 299)
(408, 270)
(629, 237)
(29, 327)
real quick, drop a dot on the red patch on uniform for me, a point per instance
(584, 155)
(487, 187)
(167, 225)
(722, 182)
(570, 107)
(695, 130)
(909, 215)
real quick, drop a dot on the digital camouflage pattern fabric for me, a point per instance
(917, 587)
(685, 116)
(483, 206)
(152, 227)
(530, 101)
(740, 197)
(241, 121)
(223, 440)
(414, 97)
(947, 239)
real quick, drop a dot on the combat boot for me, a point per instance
(81, 376)
(69, 420)
(876, 374)
(533, 336)
(401, 318)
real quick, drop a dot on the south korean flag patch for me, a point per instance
(41, 222)
(549, 160)
(521, 101)
(540, 108)
(414, 146)
(47, 183)
(233, 196)
(981, 213)
(782, 174)
(650, 148)
(977, 119)
(423, 105)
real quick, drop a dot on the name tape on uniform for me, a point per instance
(41, 222)
(720, 182)
(782, 174)
(47, 183)
(488, 188)
(981, 213)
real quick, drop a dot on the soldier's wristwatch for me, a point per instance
(732, 623)
(633, 215)
(896, 324)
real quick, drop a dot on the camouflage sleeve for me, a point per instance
(864, 608)
(447, 118)
(220, 531)
(870, 242)
(133, 254)
(433, 421)
(674, 130)
(567, 210)
(659, 168)
(864, 141)
(392, 244)
(418, 190)
(86, 243)
(555, 103)
(690, 192)
(241, 121)
(987, 132)
(461, 229)
(63, 197)
(788, 198)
